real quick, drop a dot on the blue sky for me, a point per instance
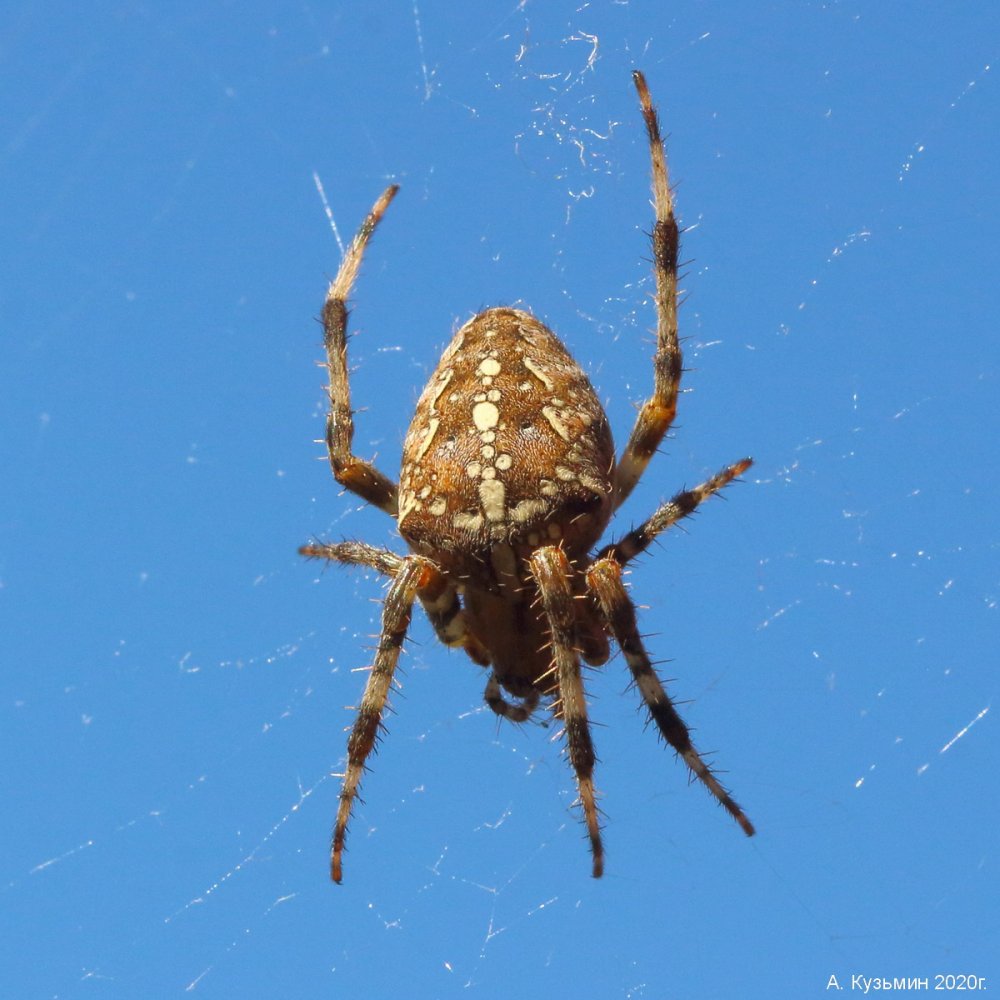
(176, 678)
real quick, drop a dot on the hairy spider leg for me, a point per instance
(353, 553)
(552, 574)
(682, 505)
(354, 474)
(414, 572)
(604, 579)
(657, 413)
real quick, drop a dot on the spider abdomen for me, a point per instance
(509, 446)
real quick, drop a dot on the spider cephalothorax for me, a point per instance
(508, 481)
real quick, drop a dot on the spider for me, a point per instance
(508, 480)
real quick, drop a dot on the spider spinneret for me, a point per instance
(508, 480)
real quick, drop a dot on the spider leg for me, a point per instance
(396, 612)
(681, 505)
(604, 579)
(352, 473)
(437, 594)
(383, 561)
(553, 575)
(657, 413)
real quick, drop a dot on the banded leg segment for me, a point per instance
(352, 473)
(604, 579)
(438, 596)
(681, 505)
(553, 576)
(396, 613)
(657, 413)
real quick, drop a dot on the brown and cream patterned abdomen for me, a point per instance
(509, 445)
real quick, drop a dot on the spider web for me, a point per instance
(178, 681)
